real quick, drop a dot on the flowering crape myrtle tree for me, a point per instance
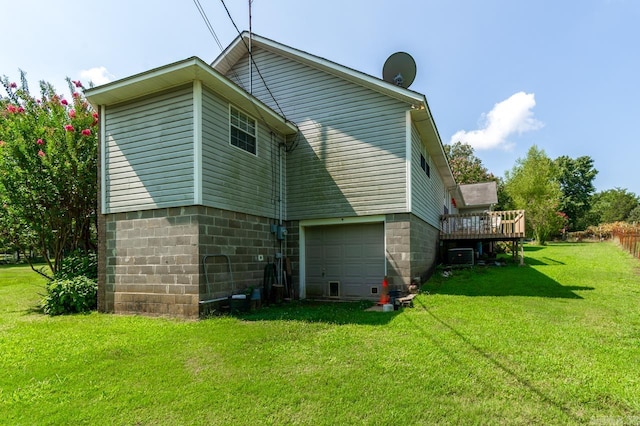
(48, 168)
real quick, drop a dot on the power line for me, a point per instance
(208, 23)
(205, 18)
(254, 62)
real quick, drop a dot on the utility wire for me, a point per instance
(254, 62)
(208, 23)
(205, 18)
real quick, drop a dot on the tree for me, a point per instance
(613, 205)
(15, 234)
(634, 215)
(576, 182)
(48, 167)
(532, 185)
(466, 167)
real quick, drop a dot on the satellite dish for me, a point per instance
(399, 69)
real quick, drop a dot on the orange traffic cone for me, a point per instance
(384, 296)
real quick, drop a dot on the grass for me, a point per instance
(555, 342)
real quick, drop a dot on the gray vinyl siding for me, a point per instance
(149, 152)
(428, 192)
(350, 156)
(233, 179)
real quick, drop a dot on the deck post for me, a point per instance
(521, 251)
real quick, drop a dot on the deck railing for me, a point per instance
(497, 225)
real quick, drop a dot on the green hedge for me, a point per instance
(74, 287)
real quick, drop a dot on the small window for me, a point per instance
(242, 131)
(425, 166)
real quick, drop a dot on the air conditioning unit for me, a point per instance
(461, 257)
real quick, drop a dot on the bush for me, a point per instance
(78, 264)
(68, 296)
(74, 287)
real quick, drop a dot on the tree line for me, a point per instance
(557, 194)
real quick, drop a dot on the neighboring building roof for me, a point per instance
(180, 73)
(479, 194)
(420, 113)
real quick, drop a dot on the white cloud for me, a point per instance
(97, 75)
(513, 115)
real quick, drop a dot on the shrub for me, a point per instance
(68, 296)
(78, 264)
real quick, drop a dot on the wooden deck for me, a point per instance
(496, 226)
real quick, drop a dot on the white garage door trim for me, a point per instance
(331, 221)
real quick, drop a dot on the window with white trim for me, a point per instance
(242, 130)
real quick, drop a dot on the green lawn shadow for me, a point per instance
(510, 280)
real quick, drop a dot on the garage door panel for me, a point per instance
(351, 254)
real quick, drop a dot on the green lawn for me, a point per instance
(555, 342)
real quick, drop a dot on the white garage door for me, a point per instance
(345, 261)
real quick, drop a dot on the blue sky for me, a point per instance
(501, 74)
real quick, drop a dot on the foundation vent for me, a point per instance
(334, 288)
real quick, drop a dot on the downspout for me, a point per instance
(280, 213)
(250, 53)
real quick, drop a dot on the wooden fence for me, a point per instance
(629, 238)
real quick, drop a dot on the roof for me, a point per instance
(479, 194)
(180, 73)
(420, 112)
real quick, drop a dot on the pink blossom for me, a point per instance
(86, 132)
(20, 109)
(76, 95)
(72, 113)
(12, 108)
(95, 115)
(69, 128)
(13, 85)
(40, 142)
(64, 102)
(40, 153)
(77, 83)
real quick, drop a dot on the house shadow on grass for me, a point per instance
(340, 313)
(510, 280)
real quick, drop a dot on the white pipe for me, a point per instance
(280, 195)
(250, 51)
(219, 299)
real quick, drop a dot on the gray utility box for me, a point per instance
(461, 256)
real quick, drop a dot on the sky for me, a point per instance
(502, 75)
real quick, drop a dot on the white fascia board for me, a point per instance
(237, 49)
(181, 73)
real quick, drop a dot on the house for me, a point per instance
(476, 225)
(210, 172)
